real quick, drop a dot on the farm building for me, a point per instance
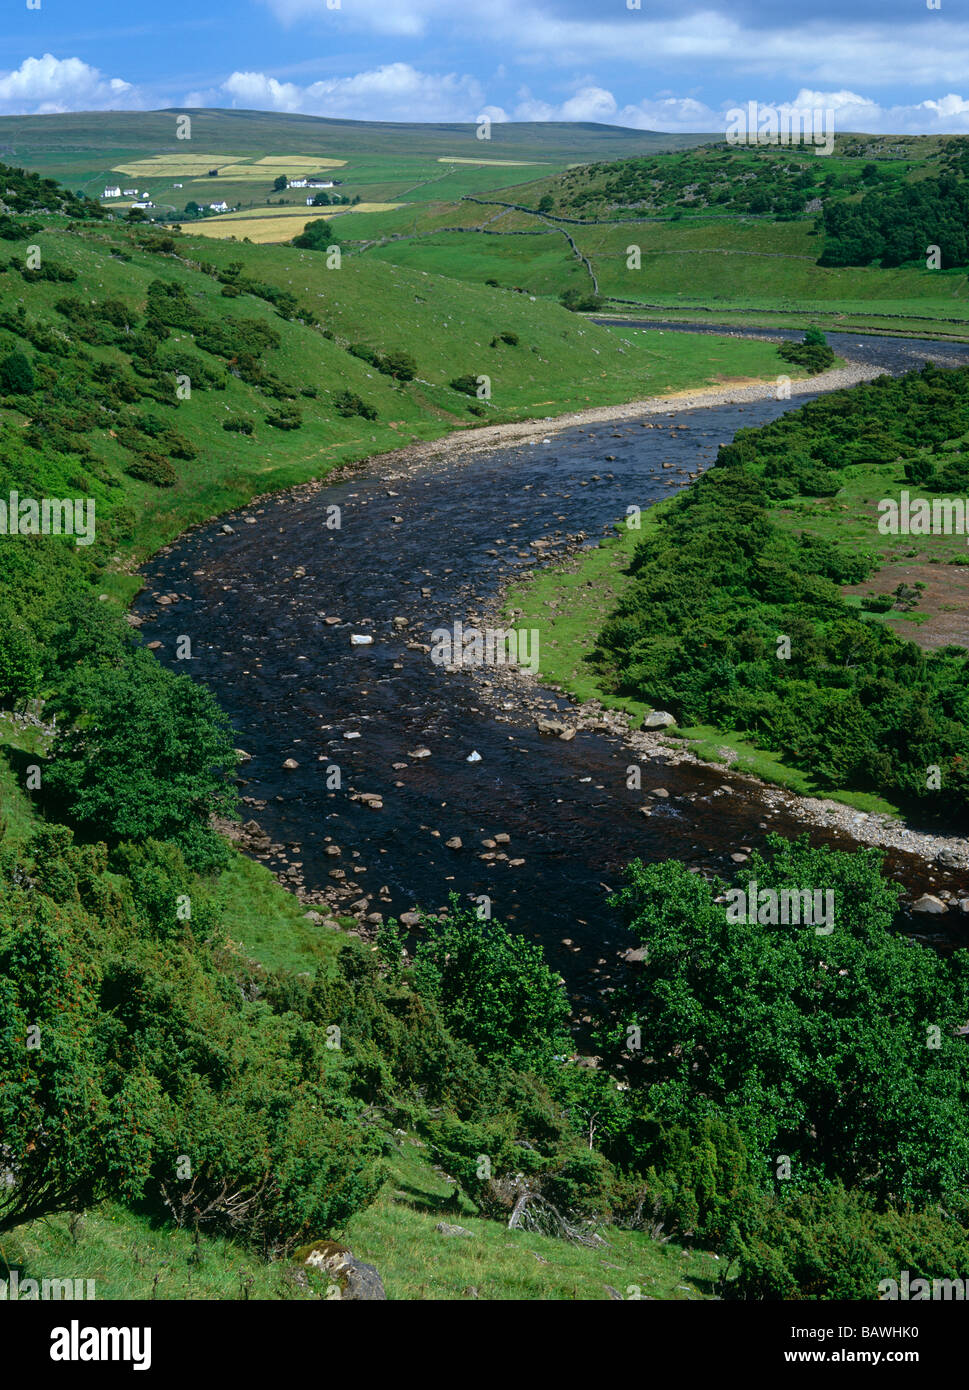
(131, 193)
(219, 207)
(113, 192)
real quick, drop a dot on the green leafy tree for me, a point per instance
(316, 236)
(494, 989)
(838, 1050)
(143, 752)
(16, 374)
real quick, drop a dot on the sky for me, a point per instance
(881, 65)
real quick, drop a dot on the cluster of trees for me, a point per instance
(717, 583)
(812, 352)
(728, 181)
(316, 236)
(796, 1102)
(896, 224)
(809, 1090)
(24, 192)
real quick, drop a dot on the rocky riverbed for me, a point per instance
(378, 781)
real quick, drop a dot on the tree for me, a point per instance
(837, 1050)
(315, 236)
(16, 374)
(279, 183)
(494, 990)
(143, 752)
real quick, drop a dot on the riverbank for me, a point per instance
(865, 822)
(737, 391)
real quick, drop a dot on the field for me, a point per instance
(507, 163)
(275, 225)
(426, 205)
(730, 269)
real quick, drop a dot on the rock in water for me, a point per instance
(928, 902)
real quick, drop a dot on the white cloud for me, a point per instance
(47, 84)
(943, 115)
(394, 92)
(929, 50)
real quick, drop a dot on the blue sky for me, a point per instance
(881, 65)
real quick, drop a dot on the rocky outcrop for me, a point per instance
(356, 1281)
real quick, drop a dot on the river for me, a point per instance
(433, 546)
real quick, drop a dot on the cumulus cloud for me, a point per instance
(942, 115)
(48, 84)
(912, 47)
(394, 92)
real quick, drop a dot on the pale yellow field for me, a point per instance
(285, 161)
(508, 163)
(274, 225)
(162, 165)
(235, 166)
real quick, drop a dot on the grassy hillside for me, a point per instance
(379, 161)
(558, 363)
(730, 232)
(199, 1078)
(809, 485)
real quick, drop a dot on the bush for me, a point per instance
(152, 468)
(287, 418)
(236, 424)
(400, 365)
(494, 990)
(467, 385)
(16, 374)
(580, 301)
(349, 403)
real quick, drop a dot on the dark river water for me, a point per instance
(254, 604)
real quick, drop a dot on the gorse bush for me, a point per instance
(717, 580)
(494, 990)
(828, 1048)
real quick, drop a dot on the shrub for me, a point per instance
(494, 990)
(349, 403)
(286, 418)
(467, 385)
(16, 374)
(152, 468)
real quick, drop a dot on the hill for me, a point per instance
(378, 162)
(222, 1078)
(729, 233)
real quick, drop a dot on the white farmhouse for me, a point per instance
(113, 192)
(219, 207)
